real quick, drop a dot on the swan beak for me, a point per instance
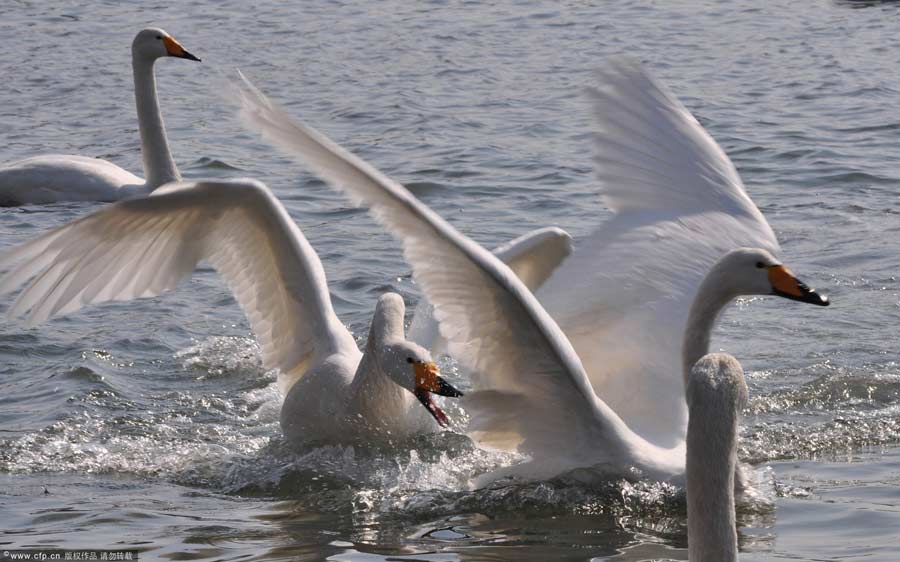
(784, 284)
(175, 49)
(428, 381)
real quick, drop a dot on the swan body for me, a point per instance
(531, 392)
(144, 246)
(57, 178)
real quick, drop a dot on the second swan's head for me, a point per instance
(153, 43)
(405, 362)
(754, 271)
(411, 366)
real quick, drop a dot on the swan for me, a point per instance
(57, 178)
(144, 246)
(530, 392)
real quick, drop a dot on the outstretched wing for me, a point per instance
(530, 389)
(143, 247)
(532, 257)
(623, 297)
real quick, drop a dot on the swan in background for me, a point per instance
(56, 178)
(144, 246)
(716, 395)
(531, 392)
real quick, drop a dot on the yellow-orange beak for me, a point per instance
(784, 284)
(175, 49)
(428, 381)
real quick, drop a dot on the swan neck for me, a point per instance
(711, 298)
(711, 459)
(712, 530)
(375, 397)
(387, 323)
(159, 166)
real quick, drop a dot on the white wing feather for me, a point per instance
(532, 257)
(530, 386)
(143, 247)
(623, 297)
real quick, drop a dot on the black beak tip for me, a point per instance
(809, 297)
(446, 389)
(188, 56)
(813, 297)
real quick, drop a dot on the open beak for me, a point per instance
(428, 382)
(175, 49)
(784, 284)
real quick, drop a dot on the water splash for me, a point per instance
(224, 436)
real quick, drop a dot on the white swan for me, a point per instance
(145, 246)
(57, 178)
(532, 393)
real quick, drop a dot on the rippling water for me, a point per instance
(151, 424)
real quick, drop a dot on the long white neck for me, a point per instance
(387, 322)
(716, 393)
(711, 298)
(375, 396)
(159, 166)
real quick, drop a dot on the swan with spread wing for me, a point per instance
(531, 390)
(144, 246)
(65, 177)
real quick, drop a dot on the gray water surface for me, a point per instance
(151, 424)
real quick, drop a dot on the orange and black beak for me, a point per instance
(784, 284)
(428, 381)
(175, 49)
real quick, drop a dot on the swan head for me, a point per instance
(404, 362)
(153, 43)
(717, 379)
(410, 366)
(754, 271)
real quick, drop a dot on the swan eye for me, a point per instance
(159, 37)
(760, 265)
(409, 360)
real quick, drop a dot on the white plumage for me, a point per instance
(679, 205)
(532, 257)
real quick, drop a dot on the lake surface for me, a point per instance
(151, 424)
